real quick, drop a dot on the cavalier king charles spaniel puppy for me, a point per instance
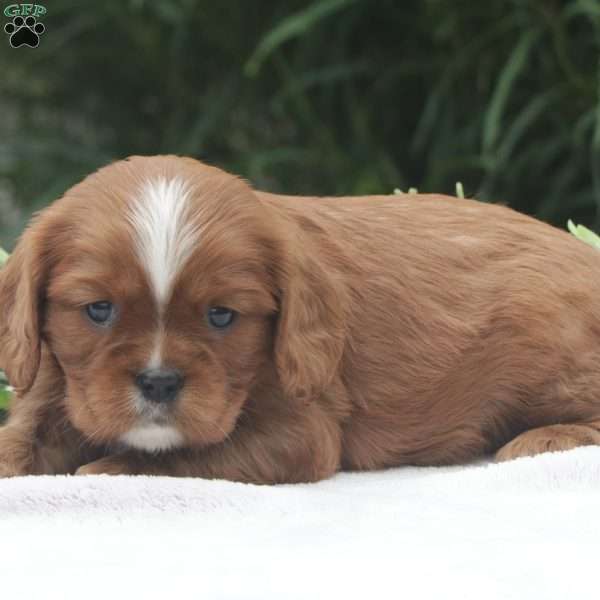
(165, 318)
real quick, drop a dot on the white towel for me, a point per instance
(527, 529)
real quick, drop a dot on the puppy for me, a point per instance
(165, 318)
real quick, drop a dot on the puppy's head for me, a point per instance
(164, 288)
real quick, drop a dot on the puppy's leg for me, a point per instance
(37, 438)
(31, 443)
(551, 438)
(16, 452)
(304, 448)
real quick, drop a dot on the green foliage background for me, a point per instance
(329, 96)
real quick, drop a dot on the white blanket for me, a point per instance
(527, 529)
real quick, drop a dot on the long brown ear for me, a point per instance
(21, 281)
(311, 329)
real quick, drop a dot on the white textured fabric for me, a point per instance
(527, 529)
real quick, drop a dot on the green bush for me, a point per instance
(329, 96)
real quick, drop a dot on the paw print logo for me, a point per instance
(24, 32)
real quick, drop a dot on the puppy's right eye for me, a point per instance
(100, 313)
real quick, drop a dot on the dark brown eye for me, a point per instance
(220, 317)
(101, 313)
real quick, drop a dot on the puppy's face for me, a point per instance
(160, 302)
(166, 289)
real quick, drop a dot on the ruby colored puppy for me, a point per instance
(165, 318)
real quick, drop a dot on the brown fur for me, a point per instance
(374, 331)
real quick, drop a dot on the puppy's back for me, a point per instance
(464, 318)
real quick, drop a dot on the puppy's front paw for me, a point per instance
(16, 453)
(12, 470)
(109, 465)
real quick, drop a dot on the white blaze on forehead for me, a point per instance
(165, 234)
(153, 437)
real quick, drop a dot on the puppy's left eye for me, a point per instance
(100, 313)
(220, 317)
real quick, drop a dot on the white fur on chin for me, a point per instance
(153, 437)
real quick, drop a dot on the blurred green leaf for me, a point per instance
(292, 26)
(4, 399)
(506, 81)
(584, 234)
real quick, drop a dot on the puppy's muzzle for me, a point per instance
(159, 385)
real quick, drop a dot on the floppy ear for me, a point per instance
(311, 329)
(21, 282)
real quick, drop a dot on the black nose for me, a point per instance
(159, 385)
